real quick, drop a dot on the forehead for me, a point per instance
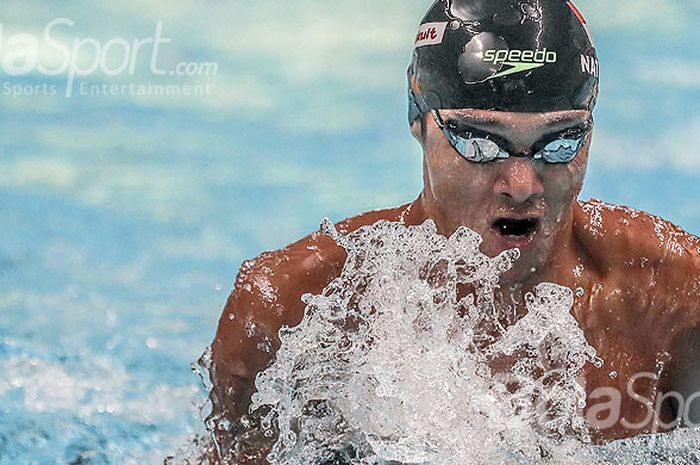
(513, 119)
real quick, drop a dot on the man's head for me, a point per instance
(501, 94)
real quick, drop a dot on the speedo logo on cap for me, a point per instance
(430, 34)
(519, 60)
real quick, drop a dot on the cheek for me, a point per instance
(564, 184)
(577, 168)
(453, 178)
(567, 179)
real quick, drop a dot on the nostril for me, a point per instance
(519, 191)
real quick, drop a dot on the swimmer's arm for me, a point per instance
(245, 324)
(266, 296)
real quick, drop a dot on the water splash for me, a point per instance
(405, 358)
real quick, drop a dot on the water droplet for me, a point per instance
(265, 346)
(250, 329)
(613, 374)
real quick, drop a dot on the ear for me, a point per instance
(418, 130)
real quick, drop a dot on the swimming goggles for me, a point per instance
(481, 147)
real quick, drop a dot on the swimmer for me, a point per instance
(501, 99)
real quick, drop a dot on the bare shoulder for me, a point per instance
(267, 295)
(278, 279)
(615, 233)
(275, 278)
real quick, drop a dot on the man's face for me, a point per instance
(515, 202)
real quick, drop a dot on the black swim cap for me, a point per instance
(505, 55)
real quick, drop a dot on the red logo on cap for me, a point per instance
(429, 34)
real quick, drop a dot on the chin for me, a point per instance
(533, 254)
(521, 271)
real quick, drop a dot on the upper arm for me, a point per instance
(245, 342)
(246, 337)
(266, 296)
(681, 372)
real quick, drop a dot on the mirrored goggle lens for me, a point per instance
(560, 150)
(477, 150)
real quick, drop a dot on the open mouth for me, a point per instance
(516, 227)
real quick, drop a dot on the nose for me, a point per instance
(518, 180)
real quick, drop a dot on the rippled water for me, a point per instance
(94, 365)
(69, 410)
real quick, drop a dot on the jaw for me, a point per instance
(539, 242)
(549, 249)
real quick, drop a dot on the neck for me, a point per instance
(432, 210)
(423, 208)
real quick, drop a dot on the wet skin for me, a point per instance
(637, 277)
